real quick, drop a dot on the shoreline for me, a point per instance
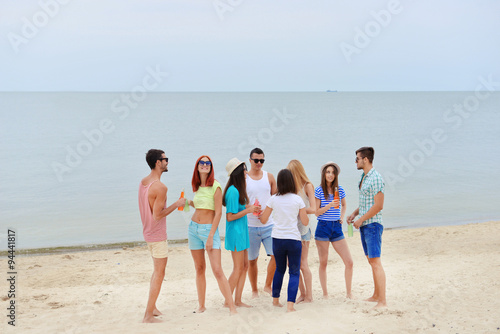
(436, 283)
(174, 242)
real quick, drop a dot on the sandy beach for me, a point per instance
(439, 280)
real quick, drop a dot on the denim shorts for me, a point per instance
(329, 231)
(198, 235)
(258, 235)
(371, 239)
(307, 236)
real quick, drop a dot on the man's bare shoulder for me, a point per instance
(270, 176)
(159, 186)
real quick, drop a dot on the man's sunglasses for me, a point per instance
(259, 160)
(166, 159)
(201, 163)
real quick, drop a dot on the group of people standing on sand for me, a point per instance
(263, 210)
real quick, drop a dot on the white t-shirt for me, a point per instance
(285, 210)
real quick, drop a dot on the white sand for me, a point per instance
(439, 280)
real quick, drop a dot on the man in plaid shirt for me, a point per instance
(369, 222)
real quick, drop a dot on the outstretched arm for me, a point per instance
(265, 216)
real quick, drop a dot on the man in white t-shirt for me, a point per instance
(260, 186)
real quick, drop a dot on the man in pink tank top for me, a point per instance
(261, 185)
(152, 206)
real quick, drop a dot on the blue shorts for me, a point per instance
(329, 231)
(307, 236)
(371, 239)
(198, 235)
(258, 235)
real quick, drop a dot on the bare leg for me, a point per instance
(253, 271)
(374, 297)
(306, 272)
(342, 249)
(323, 248)
(201, 283)
(289, 307)
(238, 276)
(154, 289)
(271, 268)
(379, 281)
(214, 256)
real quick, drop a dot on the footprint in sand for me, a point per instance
(35, 266)
(40, 297)
(68, 257)
(55, 305)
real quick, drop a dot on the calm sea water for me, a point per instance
(72, 162)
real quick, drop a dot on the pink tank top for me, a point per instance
(153, 230)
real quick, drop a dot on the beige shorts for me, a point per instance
(158, 249)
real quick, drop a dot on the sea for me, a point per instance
(72, 162)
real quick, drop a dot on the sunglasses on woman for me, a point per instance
(202, 163)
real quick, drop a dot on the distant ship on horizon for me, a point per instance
(331, 91)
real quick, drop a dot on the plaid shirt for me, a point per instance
(372, 185)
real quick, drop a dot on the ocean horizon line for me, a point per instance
(242, 91)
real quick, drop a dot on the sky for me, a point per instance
(248, 45)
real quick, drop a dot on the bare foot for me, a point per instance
(151, 320)
(269, 290)
(276, 302)
(372, 299)
(241, 304)
(289, 307)
(349, 296)
(325, 296)
(380, 305)
(200, 310)
(255, 294)
(300, 299)
(157, 313)
(233, 311)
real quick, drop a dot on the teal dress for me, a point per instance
(237, 230)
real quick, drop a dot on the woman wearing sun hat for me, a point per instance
(236, 201)
(330, 215)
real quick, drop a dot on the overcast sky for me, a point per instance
(248, 45)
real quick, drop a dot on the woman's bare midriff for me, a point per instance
(203, 216)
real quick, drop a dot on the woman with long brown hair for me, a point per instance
(331, 213)
(237, 240)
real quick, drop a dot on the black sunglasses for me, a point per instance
(166, 159)
(259, 160)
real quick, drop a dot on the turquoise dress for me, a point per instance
(237, 230)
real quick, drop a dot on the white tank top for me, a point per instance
(260, 189)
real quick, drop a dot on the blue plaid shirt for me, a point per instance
(372, 185)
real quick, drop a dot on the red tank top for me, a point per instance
(153, 230)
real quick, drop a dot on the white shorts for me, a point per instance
(158, 249)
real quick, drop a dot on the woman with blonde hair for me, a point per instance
(305, 190)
